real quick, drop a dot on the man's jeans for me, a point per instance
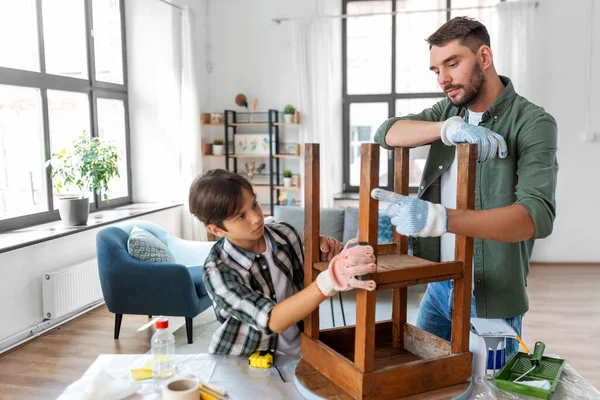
(435, 314)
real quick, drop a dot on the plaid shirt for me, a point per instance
(240, 285)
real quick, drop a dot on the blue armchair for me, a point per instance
(131, 286)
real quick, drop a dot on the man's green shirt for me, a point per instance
(527, 176)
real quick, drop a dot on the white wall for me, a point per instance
(575, 236)
(251, 54)
(22, 270)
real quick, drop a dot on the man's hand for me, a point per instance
(413, 217)
(329, 248)
(455, 130)
(351, 262)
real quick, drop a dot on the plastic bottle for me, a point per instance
(162, 349)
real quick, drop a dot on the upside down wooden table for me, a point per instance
(389, 359)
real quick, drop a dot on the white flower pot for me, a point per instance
(287, 182)
(217, 149)
(73, 211)
(288, 118)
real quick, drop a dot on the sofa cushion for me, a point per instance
(385, 230)
(144, 246)
(332, 220)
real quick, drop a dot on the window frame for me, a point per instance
(93, 88)
(389, 98)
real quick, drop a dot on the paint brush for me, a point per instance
(523, 344)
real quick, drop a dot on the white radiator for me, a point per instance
(70, 289)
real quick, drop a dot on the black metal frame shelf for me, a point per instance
(234, 120)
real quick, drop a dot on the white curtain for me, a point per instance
(191, 154)
(318, 84)
(515, 41)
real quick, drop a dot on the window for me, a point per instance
(58, 78)
(386, 72)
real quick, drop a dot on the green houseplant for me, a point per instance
(87, 165)
(288, 114)
(287, 178)
(217, 147)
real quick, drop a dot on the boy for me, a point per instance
(255, 273)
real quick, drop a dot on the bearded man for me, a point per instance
(515, 186)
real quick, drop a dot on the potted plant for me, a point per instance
(288, 113)
(88, 165)
(287, 178)
(218, 147)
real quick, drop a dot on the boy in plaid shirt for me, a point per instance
(255, 273)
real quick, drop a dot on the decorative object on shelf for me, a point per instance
(216, 118)
(297, 117)
(252, 143)
(250, 169)
(89, 165)
(204, 118)
(291, 149)
(261, 168)
(207, 149)
(288, 113)
(254, 104)
(287, 178)
(217, 147)
(241, 100)
(285, 198)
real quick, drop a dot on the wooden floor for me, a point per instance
(564, 313)
(44, 367)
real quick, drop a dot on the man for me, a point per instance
(515, 187)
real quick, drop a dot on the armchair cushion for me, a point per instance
(144, 246)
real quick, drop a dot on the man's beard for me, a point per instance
(472, 91)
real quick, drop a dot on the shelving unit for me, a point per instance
(237, 123)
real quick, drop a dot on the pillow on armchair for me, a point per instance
(146, 247)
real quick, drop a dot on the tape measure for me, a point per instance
(261, 359)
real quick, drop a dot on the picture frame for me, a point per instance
(252, 143)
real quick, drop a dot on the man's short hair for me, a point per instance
(217, 195)
(471, 33)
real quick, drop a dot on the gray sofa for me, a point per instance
(338, 223)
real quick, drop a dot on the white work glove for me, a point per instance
(413, 217)
(455, 130)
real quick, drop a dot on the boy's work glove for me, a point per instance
(329, 248)
(351, 262)
(455, 130)
(413, 217)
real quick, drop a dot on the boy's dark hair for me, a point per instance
(217, 195)
(471, 33)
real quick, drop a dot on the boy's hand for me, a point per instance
(413, 217)
(329, 247)
(351, 262)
